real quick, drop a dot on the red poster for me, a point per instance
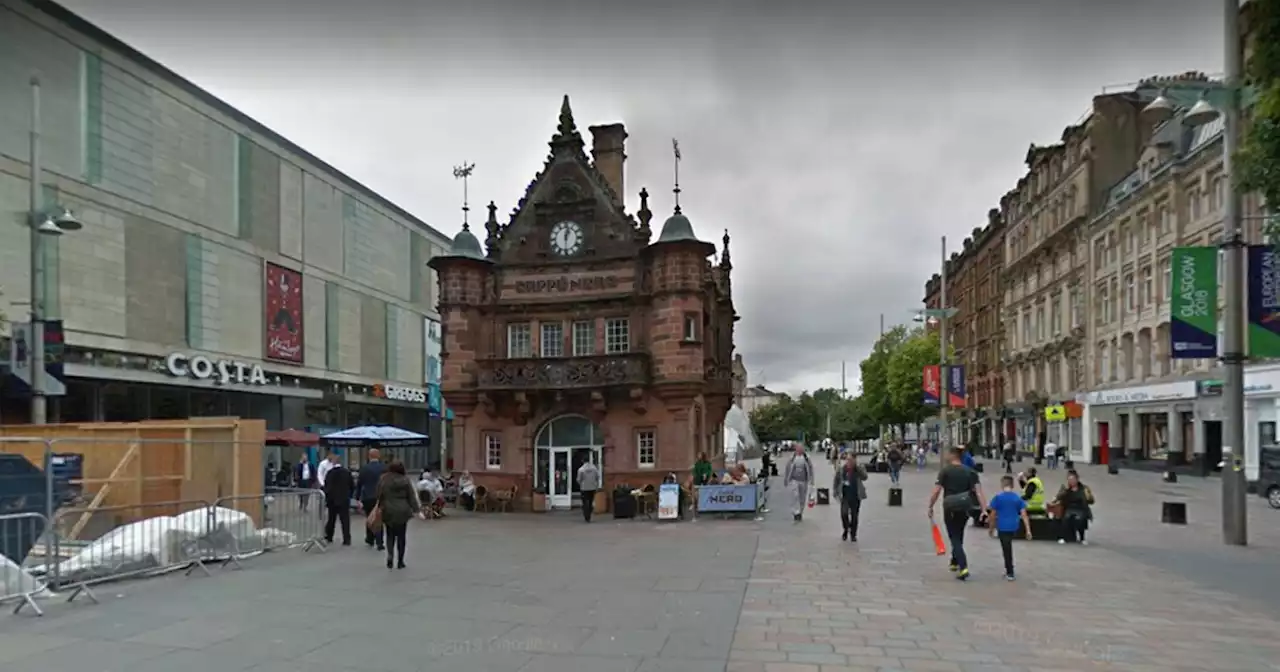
(932, 385)
(284, 314)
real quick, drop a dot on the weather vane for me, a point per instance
(675, 149)
(463, 173)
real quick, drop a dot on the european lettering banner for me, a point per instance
(932, 385)
(1264, 302)
(1193, 329)
(955, 386)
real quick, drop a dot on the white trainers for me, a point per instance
(1062, 541)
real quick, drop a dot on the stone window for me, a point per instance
(646, 448)
(492, 451)
(617, 335)
(552, 342)
(519, 340)
(584, 338)
(690, 327)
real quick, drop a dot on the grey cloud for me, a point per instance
(836, 140)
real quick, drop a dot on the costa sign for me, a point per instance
(412, 395)
(222, 371)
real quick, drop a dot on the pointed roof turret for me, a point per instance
(724, 254)
(493, 229)
(567, 136)
(465, 244)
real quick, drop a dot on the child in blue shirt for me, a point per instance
(1007, 511)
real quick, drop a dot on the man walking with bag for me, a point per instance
(367, 494)
(961, 493)
(798, 479)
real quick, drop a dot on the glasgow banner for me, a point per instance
(955, 386)
(1264, 302)
(932, 385)
(1193, 329)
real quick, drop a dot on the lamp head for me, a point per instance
(1159, 110)
(67, 221)
(1201, 113)
(48, 228)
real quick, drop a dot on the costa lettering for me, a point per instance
(412, 395)
(222, 371)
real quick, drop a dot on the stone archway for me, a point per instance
(560, 446)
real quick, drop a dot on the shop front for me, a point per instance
(1142, 424)
(1261, 415)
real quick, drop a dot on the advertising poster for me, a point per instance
(1193, 329)
(668, 501)
(1264, 302)
(955, 386)
(432, 347)
(932, 386)
(283, 292)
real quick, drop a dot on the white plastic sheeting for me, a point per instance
(737, 420)
(15, 580)
(167, 542)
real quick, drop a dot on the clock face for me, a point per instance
(566, 238)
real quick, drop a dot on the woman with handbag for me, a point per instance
(397, 505)
(1076, 500)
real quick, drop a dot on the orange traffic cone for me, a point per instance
(939, 544)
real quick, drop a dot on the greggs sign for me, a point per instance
(412, 395)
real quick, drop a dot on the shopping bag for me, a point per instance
(374, 519)
(939, 544)
(813, 498)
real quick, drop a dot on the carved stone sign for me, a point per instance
(553, 286)
(568, 283)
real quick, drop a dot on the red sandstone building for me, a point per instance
(571, 336)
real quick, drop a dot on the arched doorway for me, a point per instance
(562, 445)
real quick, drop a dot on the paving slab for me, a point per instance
(525, 593)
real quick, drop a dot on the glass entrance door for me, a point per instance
(559, 495)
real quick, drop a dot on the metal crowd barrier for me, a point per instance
(19, 533)
(61, 528)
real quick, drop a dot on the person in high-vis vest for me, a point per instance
(1033, 492)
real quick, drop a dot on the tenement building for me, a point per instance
(1046, 265)
(221, 269)
(572, 336)
(1143, 402)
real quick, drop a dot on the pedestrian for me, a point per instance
(397, 503)
(799, 476)
(961, 492)
(1051, 455)
(895, 464)
(702, 470)
(1076, 500)
(338, 486)
(304, 479)
(1008, 510)
(851, 490)
(367, 494)
(1009, 454)
(588, 484)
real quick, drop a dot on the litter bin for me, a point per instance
(22, 490)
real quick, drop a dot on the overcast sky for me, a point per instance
(837, 141)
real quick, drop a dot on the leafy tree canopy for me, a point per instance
(1258, 161)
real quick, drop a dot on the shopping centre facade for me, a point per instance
(221, 270)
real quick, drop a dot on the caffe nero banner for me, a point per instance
(1193, 328)
(1264, 302)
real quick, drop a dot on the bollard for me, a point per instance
(895, 496)
(1170, 477)
(1113, 469)
(824, 496)
(1069, 464)
(977, 466)
(1173, 513)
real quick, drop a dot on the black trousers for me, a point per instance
(850, 507)
(955, 522)
(1006, 548)
(397, 536)
(1072, 526)
(588, 504)
(336, 514)
(371, 536)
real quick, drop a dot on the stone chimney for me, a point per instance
(608, 145)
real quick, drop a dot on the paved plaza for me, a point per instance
(529, 593)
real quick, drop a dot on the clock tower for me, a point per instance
(570, 335)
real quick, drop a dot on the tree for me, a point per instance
(906, 375)
(875, 377)
(1258, 160)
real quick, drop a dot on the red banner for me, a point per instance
(932, 385)
(283, 293)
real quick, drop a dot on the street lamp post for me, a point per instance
(1228, 99)
(42, 224)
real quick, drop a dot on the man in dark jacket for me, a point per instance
(367, 494)
(338, 486)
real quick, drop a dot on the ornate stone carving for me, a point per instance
(564, 373)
